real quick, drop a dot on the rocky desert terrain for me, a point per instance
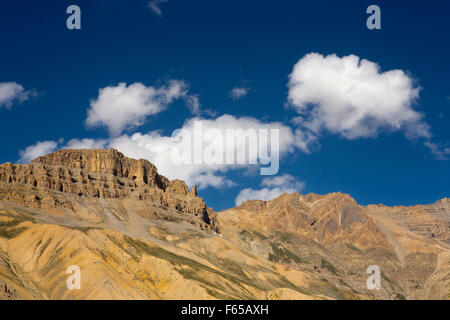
(136, 235)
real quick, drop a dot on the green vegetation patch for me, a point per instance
(247, 234)
(325, 264)
(353, 248)
(7, 230)
(283, 255)
(85, 229)
(158, 252)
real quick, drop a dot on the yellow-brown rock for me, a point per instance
(136, 235)
(101, 174)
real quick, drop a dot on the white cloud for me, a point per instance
(273, 187)
(86, 144)
(41, 148)
(121, 107)
(438, 151)
(353, 98)
(283, 181)
(157, 148)
(155, 6)
(11, 92)
(193, 103)
(239, 92)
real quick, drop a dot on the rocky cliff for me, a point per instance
(333, 236)
(136, 235)
(59, 179)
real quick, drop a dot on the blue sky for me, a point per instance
(212, 47)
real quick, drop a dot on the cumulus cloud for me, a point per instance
(158, 148)
(155, 6)
(86, 144)
(283, 181)
(353, 98)
(11, 92)
(41, 148)
(273, 187)
(239, 92)
(121, 107)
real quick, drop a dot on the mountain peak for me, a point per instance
(106, 161)
(67, 154)
(102, 174)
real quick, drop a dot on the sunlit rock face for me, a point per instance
(136, 235)
(101, 174)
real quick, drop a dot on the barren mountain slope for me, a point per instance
(136, 235)
(333, 236)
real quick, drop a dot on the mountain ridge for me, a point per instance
(102, 174)
(137, 235)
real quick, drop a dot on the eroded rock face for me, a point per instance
(335, 217)
(177, 187)
(137, 235)
(338, 239)
(102, 174)
(109, 162)
(6, 291)
(253, 205)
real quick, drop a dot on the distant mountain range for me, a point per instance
(136, 235)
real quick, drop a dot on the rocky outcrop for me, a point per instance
(101, 174)
(334, 218)
(334, 237)
(253, 205)
(429, 221)
(177, 187)
(137, 235)
(6, 291)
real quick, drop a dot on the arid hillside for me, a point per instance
(136, 235)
